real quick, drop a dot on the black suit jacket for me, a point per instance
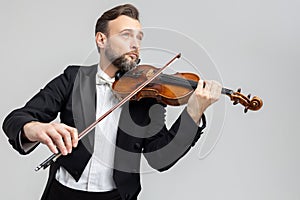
(141, 129)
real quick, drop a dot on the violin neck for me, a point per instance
(194, 84)
(227, 91)
(189, 83)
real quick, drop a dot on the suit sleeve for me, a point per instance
(43, 107)
(165, 147)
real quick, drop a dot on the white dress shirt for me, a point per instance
(98, 173)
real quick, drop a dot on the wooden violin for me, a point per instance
(146, 81)
(172, 89)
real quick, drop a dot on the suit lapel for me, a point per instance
(83, 102)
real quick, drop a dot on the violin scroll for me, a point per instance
(250, 104)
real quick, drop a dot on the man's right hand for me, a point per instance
(54, 135)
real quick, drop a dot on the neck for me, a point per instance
(107, 66)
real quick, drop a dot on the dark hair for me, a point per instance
(126, 9)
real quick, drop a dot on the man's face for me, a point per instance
(123, 42)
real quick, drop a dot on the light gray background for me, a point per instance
(255, 45)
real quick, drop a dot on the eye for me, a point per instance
(139, 37)
(125, 35)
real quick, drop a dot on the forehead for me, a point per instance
(123, 22)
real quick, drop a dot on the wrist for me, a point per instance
(196, 116)
(26, 130)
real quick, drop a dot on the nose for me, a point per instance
(135, 44)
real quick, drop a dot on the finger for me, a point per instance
(200, 84)
(213, 89)
(57, 140)
(74, 135)
(49, 143)
(66, 136)
(66, 132)
(216, 89)
(207, 86)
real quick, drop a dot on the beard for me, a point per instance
(121, 62)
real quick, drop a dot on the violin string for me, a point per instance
(178, 80)
(181, 81)
(192, 83)
(170, 79)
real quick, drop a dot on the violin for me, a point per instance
(172, 89)
(146, 81)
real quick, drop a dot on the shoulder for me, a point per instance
(73, 70)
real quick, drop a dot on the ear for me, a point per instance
(100, 39)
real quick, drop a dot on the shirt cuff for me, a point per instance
(26, 146)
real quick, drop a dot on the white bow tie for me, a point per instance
(102, 80)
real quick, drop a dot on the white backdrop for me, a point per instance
(254, 44)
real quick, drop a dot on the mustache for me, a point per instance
(136, 53)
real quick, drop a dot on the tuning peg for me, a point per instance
(249, 95)
(235, 102)
(245, 110)
(239, 90)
